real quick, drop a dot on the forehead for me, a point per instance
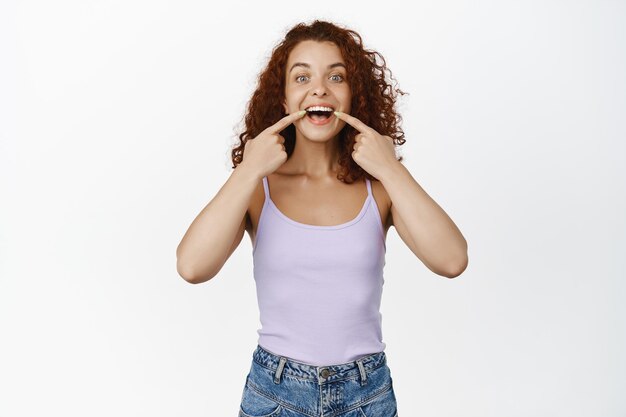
(315, 53)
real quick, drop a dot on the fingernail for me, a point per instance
(301, 112)
(337, 113)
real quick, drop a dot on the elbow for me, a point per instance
(190, 275)
(189, 278)
(459, 264)
(457, 269)
(186, 274)
(191, 272)
(195, 279)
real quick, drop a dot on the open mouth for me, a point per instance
(319, 114)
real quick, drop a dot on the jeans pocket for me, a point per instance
(383, 405)
(255, 404)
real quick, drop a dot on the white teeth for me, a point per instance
(319, 108)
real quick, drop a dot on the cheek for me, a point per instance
(346, 97)
(289, 104)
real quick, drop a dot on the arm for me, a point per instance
(426, 229)
(217, 230)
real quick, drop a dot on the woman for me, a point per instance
(317, 191)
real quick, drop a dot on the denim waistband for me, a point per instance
(286, 366)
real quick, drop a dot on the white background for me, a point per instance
(117, 119)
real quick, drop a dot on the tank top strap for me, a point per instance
(369, 186)
(266, 188)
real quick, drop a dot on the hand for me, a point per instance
(266, 152)
(375, 153)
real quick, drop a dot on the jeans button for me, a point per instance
(325, 372)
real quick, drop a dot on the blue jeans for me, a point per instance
(278, 386)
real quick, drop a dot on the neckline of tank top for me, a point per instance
(358, 217)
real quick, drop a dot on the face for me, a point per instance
(316, 75)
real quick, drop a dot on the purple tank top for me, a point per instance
(319, 287)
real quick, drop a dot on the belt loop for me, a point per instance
(279, 370)
(359, 362)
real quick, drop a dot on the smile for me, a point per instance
(320, 118)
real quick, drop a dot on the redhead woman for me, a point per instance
(317, 185)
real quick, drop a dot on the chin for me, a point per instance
(318, 132)
(319, 136)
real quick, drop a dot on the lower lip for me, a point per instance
(321, 122)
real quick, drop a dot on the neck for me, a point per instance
(313, 159)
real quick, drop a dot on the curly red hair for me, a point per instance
(373, 99)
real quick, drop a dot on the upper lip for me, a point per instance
(320, 104)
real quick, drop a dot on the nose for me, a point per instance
(319, 88)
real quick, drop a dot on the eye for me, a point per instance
(338, 78)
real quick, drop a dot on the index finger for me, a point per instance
(285, 121)
(354, 122)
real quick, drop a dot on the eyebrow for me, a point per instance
(305, 65)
